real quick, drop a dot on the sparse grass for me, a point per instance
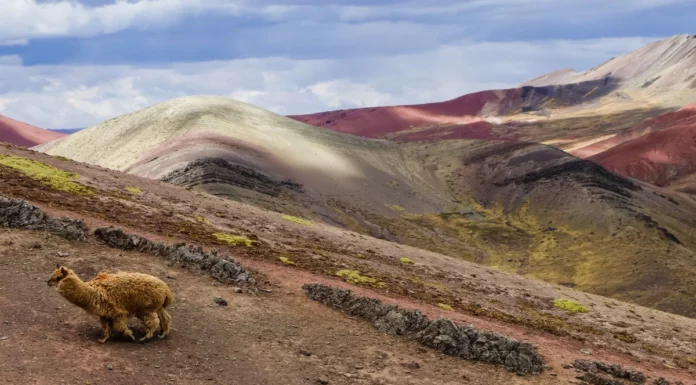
(445, 306)
(393, 183)
(55, 178)
(356, 278)
(134, 190)
(297, 220)
(569, 306)
(63, 158)
(202, 219)
(234, 240)
(286, 260)
(396, 208)
(406, 261)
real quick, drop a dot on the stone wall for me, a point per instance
(20, 214)
(441, 334)
(224, 269)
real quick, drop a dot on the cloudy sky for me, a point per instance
(75, 63)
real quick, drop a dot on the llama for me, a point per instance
(115, 297)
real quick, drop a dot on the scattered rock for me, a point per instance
(441, 334)
(587, 352)
(615, 373)
(323, 380)
(238, 290)
(63, 254)
(109, 367)
(411, 365)
(220, 301)
(305, 352)
(3, 338)
(566, 366)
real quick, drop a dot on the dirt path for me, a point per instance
(281, 338)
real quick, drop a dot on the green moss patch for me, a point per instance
(234, 240)
(356, 278)
(134, 190)
(569, 306)
(55, 178)
(297, 220)
(201, 219)
(406, 261)
(286, 260)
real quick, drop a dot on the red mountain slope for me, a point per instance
(456, 114)
(25, 135)
(664, 155)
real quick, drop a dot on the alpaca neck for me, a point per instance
(77, 292)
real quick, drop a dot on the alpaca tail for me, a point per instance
(165, 321)
(164, 317)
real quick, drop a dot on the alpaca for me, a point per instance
(115, 297)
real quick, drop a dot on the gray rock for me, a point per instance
(20, 214)
(440, 334)
(220, 301)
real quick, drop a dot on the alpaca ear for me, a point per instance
(63, 271)
(57, 265)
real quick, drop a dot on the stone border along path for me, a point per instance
(441, 334)
(222, 268)
(600, 373)
(20, 214)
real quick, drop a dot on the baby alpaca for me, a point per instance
(115, 297)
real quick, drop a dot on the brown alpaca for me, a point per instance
(115, 297)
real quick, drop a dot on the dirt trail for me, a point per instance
(280, 338)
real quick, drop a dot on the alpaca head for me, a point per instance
(58, 274)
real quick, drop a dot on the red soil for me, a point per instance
(661, 156)
(25, 135)
(378, 122)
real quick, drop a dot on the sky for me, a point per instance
(76, 63)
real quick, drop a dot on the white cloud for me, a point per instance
(21, 20)
(342, 92)
(77, 96)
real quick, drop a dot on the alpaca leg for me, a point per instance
(121, 325)
(106, 329)
(152, 322)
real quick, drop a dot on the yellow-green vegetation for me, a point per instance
(286, 260)
(234, 240)
(396, 208)
(202, 219)
(134, 190)
(297, 220)
(356, 278)
(55, 178)
(393, 183)
(569, 306)
(406, 261)
(445, 306)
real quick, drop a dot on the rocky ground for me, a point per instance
(270, 332)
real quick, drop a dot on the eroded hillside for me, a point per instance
(282, 254)
(523, 208)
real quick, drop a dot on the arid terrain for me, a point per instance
(270, 332)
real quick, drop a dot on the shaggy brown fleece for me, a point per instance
(115, 297)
